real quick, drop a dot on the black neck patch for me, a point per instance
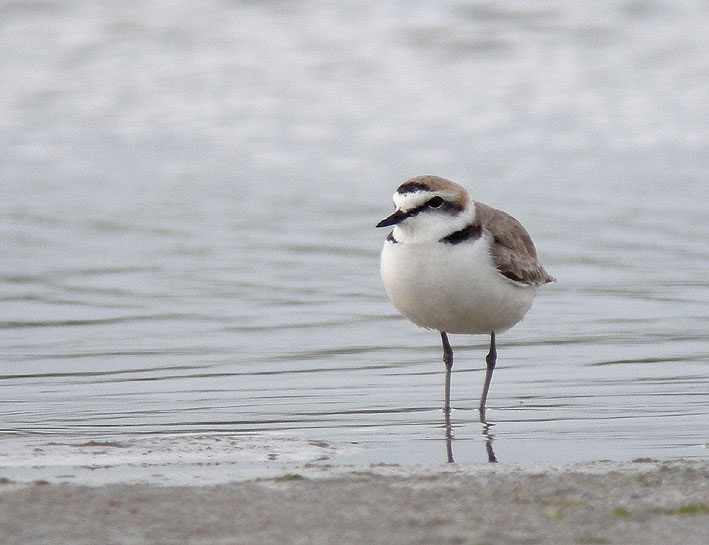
(390, 238)
(472, 231)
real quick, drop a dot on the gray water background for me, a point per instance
(189, 193)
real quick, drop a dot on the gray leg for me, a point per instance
(448, 361)
(491, 359)
(449, 437)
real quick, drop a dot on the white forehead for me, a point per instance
(414, 199)
(417, 191)
(408, 201)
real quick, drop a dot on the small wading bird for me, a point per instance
(458, 266)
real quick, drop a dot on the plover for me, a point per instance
(457, 266)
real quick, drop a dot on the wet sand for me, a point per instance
(637, 502)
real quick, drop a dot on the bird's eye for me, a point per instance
(435, 202)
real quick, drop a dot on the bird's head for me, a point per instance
(428, 208)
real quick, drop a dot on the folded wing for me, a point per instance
(512, 248)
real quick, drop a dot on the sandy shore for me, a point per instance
(643, 502)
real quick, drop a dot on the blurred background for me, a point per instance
(189, 194)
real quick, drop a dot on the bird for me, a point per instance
(456, 265)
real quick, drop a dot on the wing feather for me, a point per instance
(512, 248)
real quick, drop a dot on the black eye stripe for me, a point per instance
(449, 207)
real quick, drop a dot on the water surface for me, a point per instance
(190, 280)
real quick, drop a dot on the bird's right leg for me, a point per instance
(448, 361)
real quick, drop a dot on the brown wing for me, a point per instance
(512, 248)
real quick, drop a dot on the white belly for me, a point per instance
(452, 287)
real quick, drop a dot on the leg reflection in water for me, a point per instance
(487, 436)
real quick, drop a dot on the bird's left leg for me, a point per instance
(491, 359)
(448, 361)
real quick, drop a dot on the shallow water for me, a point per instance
(190, 265)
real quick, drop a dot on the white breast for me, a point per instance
(452, 287)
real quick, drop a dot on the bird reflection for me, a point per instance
(487, 435)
